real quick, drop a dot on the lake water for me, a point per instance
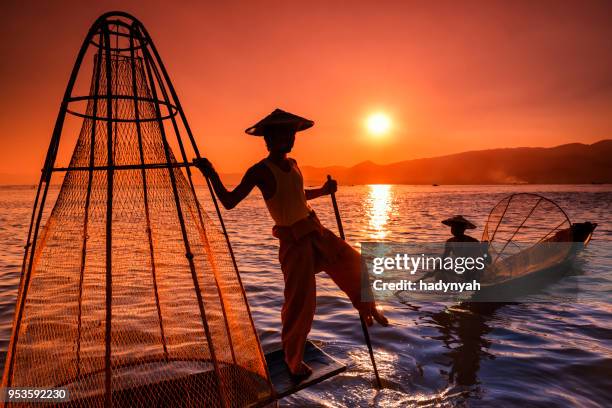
(434, 354)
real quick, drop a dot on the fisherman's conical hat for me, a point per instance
(459, 220)
(280, 118)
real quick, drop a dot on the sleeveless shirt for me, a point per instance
(288, 204)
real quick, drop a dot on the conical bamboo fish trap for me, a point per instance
(129, 294)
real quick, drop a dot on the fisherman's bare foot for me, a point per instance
(374, 313)
(303, 371)
(379, 316)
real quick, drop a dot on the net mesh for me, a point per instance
(526, 232)
(160, 351)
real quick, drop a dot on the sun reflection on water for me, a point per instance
(378, 210)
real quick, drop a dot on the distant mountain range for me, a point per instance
(574, 163)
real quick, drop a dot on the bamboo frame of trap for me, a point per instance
(106, 27)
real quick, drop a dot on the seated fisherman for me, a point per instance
(458, 226)
(460, 244)
(306, 246)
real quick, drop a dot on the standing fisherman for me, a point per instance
(306, 246)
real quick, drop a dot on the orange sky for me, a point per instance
(452, 77)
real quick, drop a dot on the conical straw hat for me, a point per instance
(459, 220)
(280, 118)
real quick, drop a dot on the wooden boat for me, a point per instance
(322, 364)
(531, 243)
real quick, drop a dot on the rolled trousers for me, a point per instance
(300, 259)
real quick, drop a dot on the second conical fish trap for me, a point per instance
(129, 294)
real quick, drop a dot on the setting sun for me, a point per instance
(378, 124)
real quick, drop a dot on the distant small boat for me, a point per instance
(435, 185)
(532, 242)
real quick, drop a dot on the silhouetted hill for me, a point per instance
(573, 163)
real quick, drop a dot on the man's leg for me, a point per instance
(297, 264)
(344, 268)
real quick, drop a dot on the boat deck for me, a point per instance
(323, 366)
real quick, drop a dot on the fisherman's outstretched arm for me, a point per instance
(229, 199)
(327, 188)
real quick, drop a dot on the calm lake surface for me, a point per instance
(434, 354)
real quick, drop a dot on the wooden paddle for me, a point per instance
(364, 326)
